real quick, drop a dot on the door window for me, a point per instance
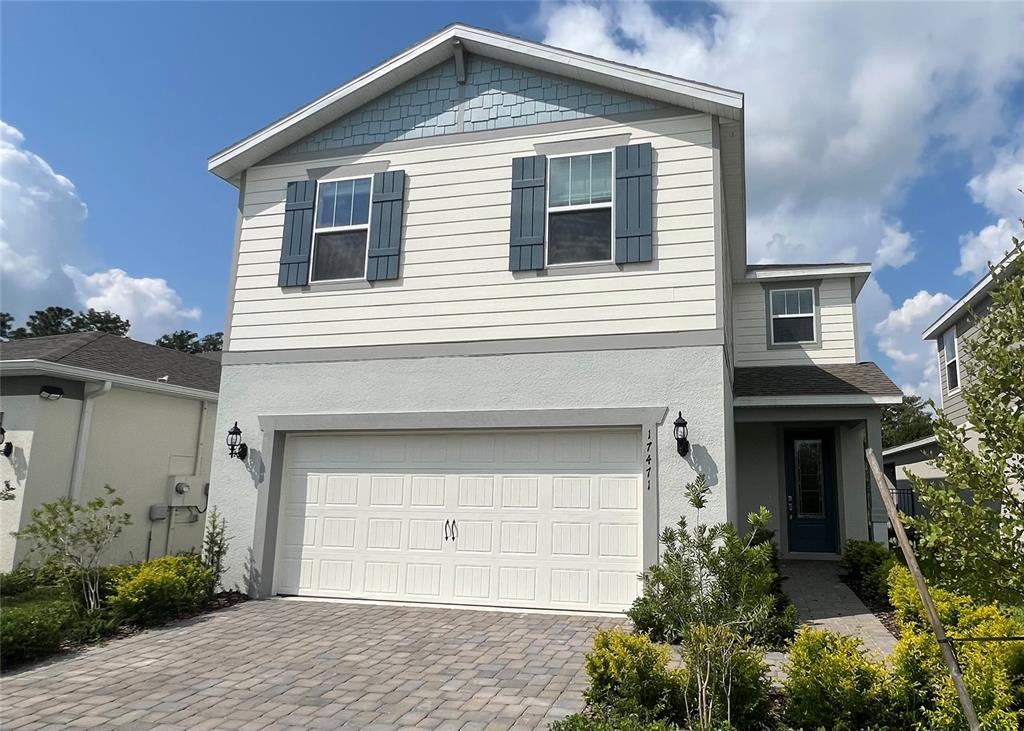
(810, 478)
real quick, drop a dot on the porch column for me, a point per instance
(879, 521)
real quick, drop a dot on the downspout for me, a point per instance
(82, 442)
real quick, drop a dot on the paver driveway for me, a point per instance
(285, 664)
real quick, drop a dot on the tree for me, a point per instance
(906, 422)
(973, 534)
(189, 342)
(6, 320)
(54, 320)
(103, 321)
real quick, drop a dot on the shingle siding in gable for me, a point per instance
(496, 96)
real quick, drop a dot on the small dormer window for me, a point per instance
(791, 312)
(949, 347)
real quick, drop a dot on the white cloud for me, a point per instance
(896, 248)
(149, 303)
(899, 338)
(842, 101)
(873, 306)
(998, 189)
(41, 252)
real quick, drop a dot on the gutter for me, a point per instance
(33, 366)
(82, 442)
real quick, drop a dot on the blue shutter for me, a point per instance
(526, 244)
(634, 204)
(385, 240)
(297, 238)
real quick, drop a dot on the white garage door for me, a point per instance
(519, 519)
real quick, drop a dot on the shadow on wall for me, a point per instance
(253, 577)
(700, 459)
(19, 464)
(256, 467)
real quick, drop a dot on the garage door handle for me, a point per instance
(455, 531)
(446, 530)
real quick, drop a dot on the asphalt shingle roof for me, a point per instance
(120, 356)
(848, 379)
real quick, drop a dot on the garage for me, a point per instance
(524, 518)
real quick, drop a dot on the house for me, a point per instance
(476, 293)
(912, 458)
(85, 410)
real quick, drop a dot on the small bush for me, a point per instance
(159, 590)
(34, 624)
(17, 582)
(860, 558)
(830, 684)
(629, 676)
(582, 722)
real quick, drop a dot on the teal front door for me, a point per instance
(811, 499)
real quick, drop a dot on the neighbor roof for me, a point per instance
(975, 295)
(847, 379)
(103, 354)
(858, 272)
(231, 161)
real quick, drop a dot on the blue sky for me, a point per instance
(878, 133)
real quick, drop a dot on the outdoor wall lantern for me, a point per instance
(6, 448)
(680, 432)
(51, 393)
(236, 447)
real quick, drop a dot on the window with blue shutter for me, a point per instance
(526, 243)
(298, 234)
(385, 250)
(634, 204)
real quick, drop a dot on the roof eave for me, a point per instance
(816, 400)
(230, 162)
(35, 366)
(965, 303)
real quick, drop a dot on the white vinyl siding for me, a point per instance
(455, 283)
(837, 331)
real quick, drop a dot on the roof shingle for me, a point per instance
(107, 353)
(847, 379)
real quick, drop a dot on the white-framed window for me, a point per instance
(341, 227)
(792, 316)
(580, 216)
(949, 347)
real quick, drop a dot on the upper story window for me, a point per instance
(580, 209)
(949, 347)
(342, 223)
(791, 312)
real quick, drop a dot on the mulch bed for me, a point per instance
(882, 610)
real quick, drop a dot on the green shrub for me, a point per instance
(860, 558)
(830, 684)
(629, 676)
(159, 590)
(582, 722)
(34, 624)
(17, 582)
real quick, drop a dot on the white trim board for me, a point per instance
(32, 366)
(832, 400)
(229, 162)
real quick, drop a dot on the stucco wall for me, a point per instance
(689, 379)
(20, 413)
(758, 470)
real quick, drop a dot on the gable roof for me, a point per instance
(231, 161)
(842, 379)
(101, 356)
(974, 296)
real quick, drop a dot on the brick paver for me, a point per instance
(822, 600)
(294, 664)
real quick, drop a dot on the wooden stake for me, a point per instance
(886, 489)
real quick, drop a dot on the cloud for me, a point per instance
(149, 303)
(899, 339)
(41, 251)
(998, 189)
(842, 102)
(896, 248)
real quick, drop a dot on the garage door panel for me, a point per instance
(543, 519)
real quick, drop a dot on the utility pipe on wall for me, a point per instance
(82, 442)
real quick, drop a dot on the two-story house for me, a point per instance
(475, 292)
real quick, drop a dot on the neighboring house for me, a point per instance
(912, 458)
(472, 290)
(85, 410)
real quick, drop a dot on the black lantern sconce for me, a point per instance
(236, 447)
(680, 432)
(6, 448)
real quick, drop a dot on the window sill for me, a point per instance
(584, 267)
(332, 285)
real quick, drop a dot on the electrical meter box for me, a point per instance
(184, 490)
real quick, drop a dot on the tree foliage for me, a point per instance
(57, 320)
(906, 422)
(973, 537)
(189, 342)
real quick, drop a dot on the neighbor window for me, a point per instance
(792, 315)
(342, 223)
(580, 209)
(952, 361)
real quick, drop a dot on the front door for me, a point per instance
(811, 490)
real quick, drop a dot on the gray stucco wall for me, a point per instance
(690, 379)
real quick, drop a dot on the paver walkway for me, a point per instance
(284, 664)
(822, 600)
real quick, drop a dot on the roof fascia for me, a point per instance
(836, 400)
(33, 366)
